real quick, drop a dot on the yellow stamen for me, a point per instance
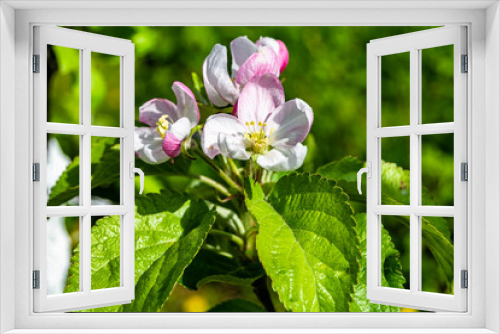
(162, 125)
(258, 136)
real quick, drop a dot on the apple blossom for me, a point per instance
(266, 127)
(169, 125)
(248, 60)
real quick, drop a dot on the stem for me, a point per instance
(210, 182)
(235, 170)
(260, 289)
(218, 170)
(218, 251)
(234, 238)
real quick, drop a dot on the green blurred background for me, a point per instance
(327, 69)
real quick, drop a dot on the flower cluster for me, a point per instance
(262, 127)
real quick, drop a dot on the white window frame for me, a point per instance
(483, 20)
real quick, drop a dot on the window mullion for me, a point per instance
(85, 165)
(415, 231)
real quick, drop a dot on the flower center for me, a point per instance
(257, 136)
(162, 125)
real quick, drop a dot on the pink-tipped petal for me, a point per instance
(241, 49)
(214, 126)
(171, 145)
(219, 86)
(176, 134)
(151, 111)
(148, 145)
(186, 103)
(283, 55)
(283, 158)
(235, 109)
(260, 97)
(290, 122)
(264, 61)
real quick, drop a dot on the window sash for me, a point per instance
(86, 43)
(413, 43)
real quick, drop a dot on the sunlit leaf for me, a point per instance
(169, 230)
(307, 242)
(391, 276)
(396, 182)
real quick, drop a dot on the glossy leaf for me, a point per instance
(392, 275)
(396, 180)
(169, 230)
(307, 242)
(156, 284)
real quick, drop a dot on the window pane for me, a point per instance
(63, 84)
(437, 84)
(395, 175)
(105, 89)
(437, 169)
(105, 252)
(63, 234)
(63, 170)
(398, 229)
(105, 168)
(395, 82)
(436, 277)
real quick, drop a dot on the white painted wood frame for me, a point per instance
(414, 43)
(481, 17)
(85, 43)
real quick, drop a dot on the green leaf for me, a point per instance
(209, 266)
(156, 284)
(169, 230)
(237, 305)
(396, 184)
(199, 88)
(391, 277)
(307, 242)
(344, 171)
(67, 186)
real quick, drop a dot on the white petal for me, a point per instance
(241, 49)
(181, 129)
(290, 122)
(148, 145)
(220, 89)
(234, 146)
(271, 42)
(283, 158)
(216, 124)
(186, 103)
